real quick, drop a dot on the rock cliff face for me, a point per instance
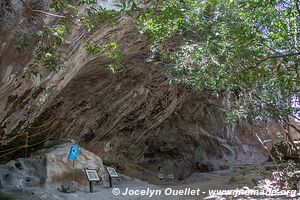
(135, 119)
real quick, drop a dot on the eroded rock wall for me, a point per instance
(135, 119)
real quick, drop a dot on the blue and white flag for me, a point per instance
(74, 152)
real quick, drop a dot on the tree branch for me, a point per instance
(274, 57)
(40, 11)
(47, 13)
(266, 148)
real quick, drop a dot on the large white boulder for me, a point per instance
(59, 167)
(50, 168)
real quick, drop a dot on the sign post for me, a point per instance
(92, 176)
(73, 154)
(112, 174)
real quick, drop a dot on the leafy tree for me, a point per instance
(245, 49)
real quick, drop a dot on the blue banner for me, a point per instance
(74, 152)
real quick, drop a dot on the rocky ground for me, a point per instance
(225, 179)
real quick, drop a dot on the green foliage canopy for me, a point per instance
(246, 49)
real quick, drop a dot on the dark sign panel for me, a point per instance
(112, 172)
(92, 175)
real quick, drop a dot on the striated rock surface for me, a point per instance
(135, 119)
